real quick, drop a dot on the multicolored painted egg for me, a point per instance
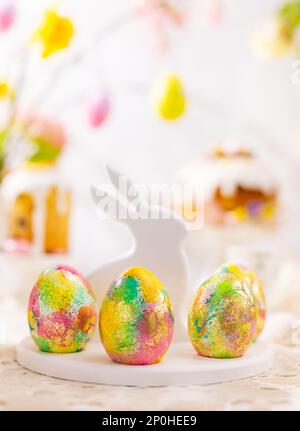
(136, 319)
(222, 320)
(62, 311)
(169, 98)
(257, 288)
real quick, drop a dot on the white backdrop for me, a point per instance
(215, 64)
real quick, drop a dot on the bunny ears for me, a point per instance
(124, 200)
(121, 199)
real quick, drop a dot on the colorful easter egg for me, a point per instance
(62, 311)
(256, 286)
(98, 110)
(7, 15)
(136, 319)
(222, 320)
(169, 98)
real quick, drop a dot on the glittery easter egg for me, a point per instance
(222, 320)
(62, 311)
(255, 285)
(136, 319)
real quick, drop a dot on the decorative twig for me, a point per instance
(12, 141)
(80, 55)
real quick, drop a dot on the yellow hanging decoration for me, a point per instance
(5, 91)
(169, 98)
(55, 33)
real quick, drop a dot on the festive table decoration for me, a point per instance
(222, 320)
(255, 285)
(136, 319)
(61, 311)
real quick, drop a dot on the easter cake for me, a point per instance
(37, 196)
(235, 186)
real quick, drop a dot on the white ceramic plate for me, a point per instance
(181, 366)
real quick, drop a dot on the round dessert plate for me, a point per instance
(181, 366)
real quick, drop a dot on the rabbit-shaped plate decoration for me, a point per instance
(157, 247)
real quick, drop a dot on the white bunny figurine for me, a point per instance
(157, 247)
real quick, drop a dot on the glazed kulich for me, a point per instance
(37, 203)
(233, 187)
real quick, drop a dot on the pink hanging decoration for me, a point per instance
(161, 15)
(7, 15)
(160, 40)
(215, 12)
(98, 110)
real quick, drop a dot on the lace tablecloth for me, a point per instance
(277, 389)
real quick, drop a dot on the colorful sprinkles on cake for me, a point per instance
(136, 319)
(62, 311)
(222, 320)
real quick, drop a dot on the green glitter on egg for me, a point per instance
(81, 298)
(128, 290)
(43, 344)
(80, 340)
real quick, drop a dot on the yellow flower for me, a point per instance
(273, 40)
(5, 91)
(55, 33)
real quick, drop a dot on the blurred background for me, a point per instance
(198, 91)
